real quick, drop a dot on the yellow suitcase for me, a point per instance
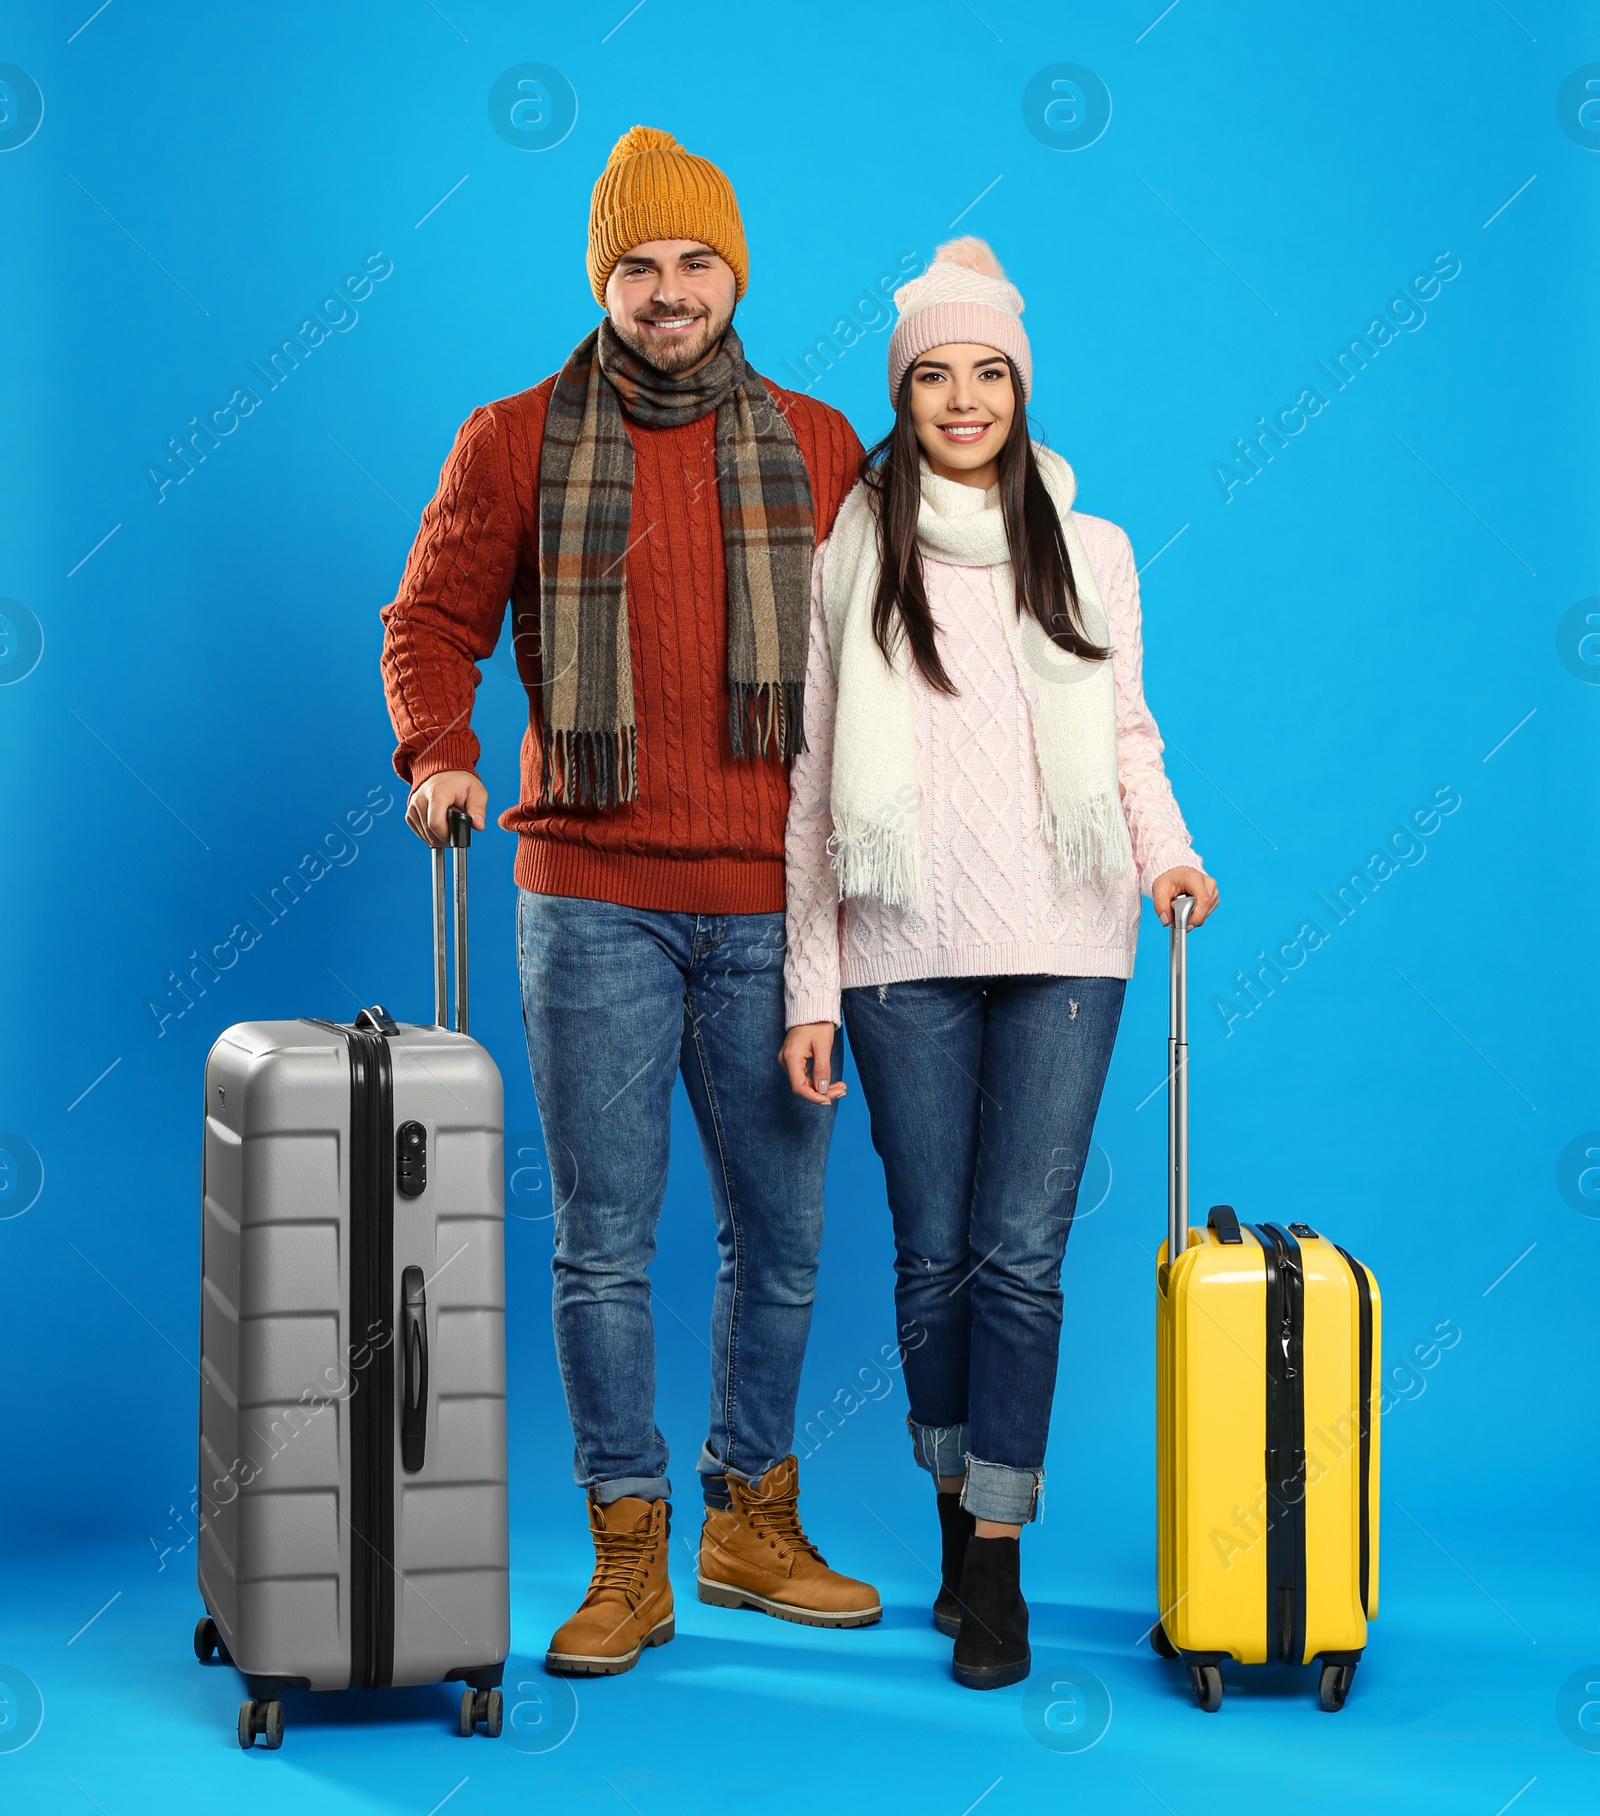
(1267, 1391)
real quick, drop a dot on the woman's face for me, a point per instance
(962, 407)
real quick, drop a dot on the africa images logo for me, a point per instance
(1578, 641)
(21, 107)
(533, 107)
(21, 1175)
(21, 642)
(21, 1709)
(1578, 1708)
(1066, 107)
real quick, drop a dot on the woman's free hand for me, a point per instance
(807, 1057)
(1184, 880)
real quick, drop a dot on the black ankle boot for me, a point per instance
(955, 1528)
(992, 1645)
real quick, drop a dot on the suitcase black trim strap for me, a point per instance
(1364, 1363)
(371, 1345)
(372, 1328)
(1286, 1446)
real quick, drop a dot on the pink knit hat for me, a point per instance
(962, 296)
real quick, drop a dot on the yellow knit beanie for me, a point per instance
(652, 189)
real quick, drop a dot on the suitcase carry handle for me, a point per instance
(1178, 1084)
(460, 839)
(414, 1355)
(1225, 1221)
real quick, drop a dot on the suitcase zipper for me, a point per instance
(372, 1335)
(1286, 1446)
(1364, 1388)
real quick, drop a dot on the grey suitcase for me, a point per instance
(352, 1354)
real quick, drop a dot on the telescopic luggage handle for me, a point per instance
(1178, 1085)
(460, 839)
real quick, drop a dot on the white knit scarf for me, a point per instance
(876, 846)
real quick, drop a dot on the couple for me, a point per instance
(876, 716)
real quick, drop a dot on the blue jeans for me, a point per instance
(983, 1093)
(616, 1001)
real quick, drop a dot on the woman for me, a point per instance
(981, 801)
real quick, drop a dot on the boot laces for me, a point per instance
(777, 1518)
(621, 1559)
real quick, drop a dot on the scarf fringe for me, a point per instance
(1090, 841)
(758, 710)
(590, 768)
(879, 859)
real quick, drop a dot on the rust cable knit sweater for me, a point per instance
(705, 834)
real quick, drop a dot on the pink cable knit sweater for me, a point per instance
(994, 904)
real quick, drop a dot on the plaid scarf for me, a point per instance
(585, 506)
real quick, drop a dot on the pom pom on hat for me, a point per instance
(965, 296)
(643, 138)
(969, 250)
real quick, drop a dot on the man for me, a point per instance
(651, 511)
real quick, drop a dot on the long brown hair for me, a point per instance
(1040, 565)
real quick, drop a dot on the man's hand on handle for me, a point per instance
(428, 810)
(807, 1057)
(1184, 880)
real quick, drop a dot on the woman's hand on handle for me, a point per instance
(428, 810)
(807, 1057)
(1184, 880)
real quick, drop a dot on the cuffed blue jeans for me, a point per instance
(983, 1094)
(616, 1002)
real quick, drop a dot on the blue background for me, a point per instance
(1382, 612)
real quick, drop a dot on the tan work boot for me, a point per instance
(753, 1554)
(629, 1604)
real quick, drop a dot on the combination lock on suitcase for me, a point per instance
(352, 1353)
(1267, 1379)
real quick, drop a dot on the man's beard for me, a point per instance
(679, 352)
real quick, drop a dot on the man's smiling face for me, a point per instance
(672, 301)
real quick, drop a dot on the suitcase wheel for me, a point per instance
(1160, 1644)
(1334, 1686)
(1207, 1681)
(208, 1642)
(261, 1721)
(486, 1706)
